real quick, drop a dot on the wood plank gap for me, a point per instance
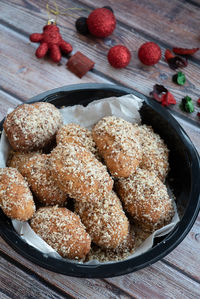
(2, 291)
(12, 95)
(186, 1)
(121, 290)
(4, 295)
(103, 76)
(35, 275)
(180, 270)
(13, 28)
(191, 2)
(142, 33)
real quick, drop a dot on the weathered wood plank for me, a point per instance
(17, 284)
(172, 22)
(75, 287)
(6, 101)
(3, 296)
(186, 256)
(158, 281)
(135, 75)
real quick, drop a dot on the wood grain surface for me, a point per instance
(169, 23)
(135, 75)
(15, 282)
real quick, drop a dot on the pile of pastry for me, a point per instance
(80, 188)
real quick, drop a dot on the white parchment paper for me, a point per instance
(126, 107)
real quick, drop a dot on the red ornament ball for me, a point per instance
(119, 56)
(149, 53)
(101, 22)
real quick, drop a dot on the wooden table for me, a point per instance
(168, 23)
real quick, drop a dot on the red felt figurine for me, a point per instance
(50, 40)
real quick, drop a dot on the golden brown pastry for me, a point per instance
(105, 220)
(37, 172)
(16, 199)
(32, 126)
(154, 152)
(119, 145)
(146, 199)
(78, 173)
(17, 159)
(74, 133)
(62, 230)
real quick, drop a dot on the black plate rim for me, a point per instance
(134, 264)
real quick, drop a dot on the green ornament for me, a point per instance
(179, 78)
(187, 105)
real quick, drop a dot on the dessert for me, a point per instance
(62, 230)
(105, 220)
(78, 173)
(74, 133)
(97, 224)
(16, 199)
(146, 199)
(118, 144)
(17, 159)
(154, 151)
(32, 126)
(37, 172)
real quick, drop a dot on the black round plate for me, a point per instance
(184, 178)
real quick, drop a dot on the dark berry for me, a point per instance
(108, 7)
(81, 25)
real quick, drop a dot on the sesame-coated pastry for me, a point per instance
(119, 145)
(74, 133)
(17, 159)
(154, 152)
(146, 199)
(32, 126)
(16, 199)
(105, 220)
(63, 231)
(78, 173)
(37, 172)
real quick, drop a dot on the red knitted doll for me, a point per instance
(50, 40)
